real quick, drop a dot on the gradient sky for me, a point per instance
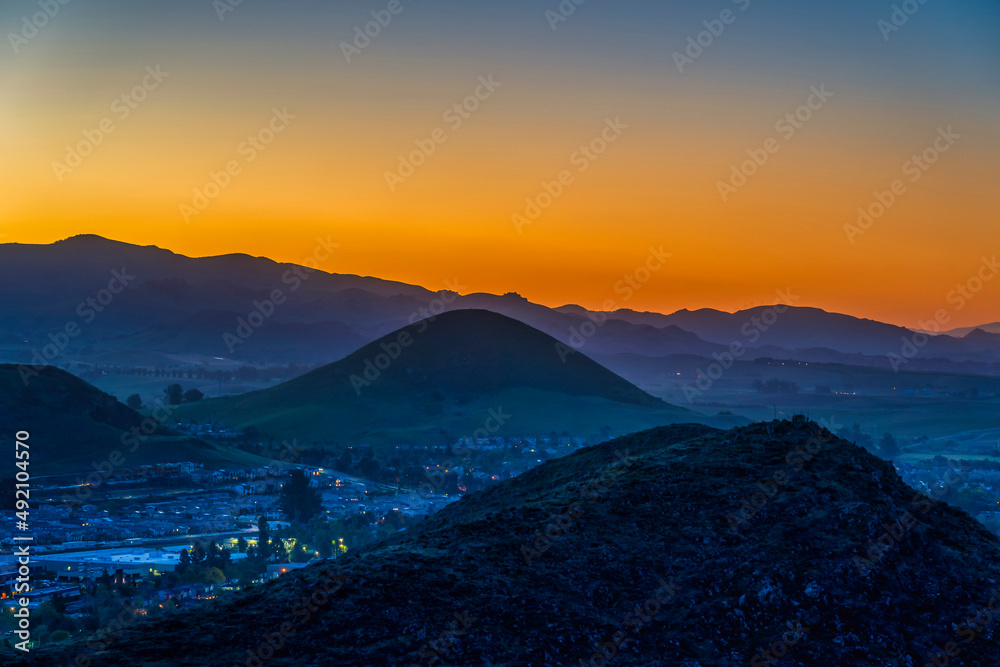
(657, 185)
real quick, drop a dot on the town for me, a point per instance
(157, 538)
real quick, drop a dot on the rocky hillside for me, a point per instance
(769, 544)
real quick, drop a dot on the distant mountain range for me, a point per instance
(771, 544)
(464, 373)
(171, 305)
(807, 331)
(993, 328)
(452, 375)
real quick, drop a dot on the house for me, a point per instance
(275, 570)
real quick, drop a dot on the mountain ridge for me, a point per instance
(343, 311)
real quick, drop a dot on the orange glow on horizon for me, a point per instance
(655, 185)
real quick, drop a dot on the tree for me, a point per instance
(185, 561)
(345, 463)
(369, 467)
(241, 545)
(193, 396)
(58, 637)
(245, 580)
(855, 435)
(175, 394)
(59, 603)
(299, 502)
(888, 447)
(263, 539)
(214, 575)
(322, 539)
(298, 554)
(278, 547)
(212, 555)
(135, 402)
(198, 554)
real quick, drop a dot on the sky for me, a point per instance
(582, 142)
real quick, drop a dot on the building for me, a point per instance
(275, 570)
(88, 565)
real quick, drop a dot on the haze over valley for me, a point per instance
(526, 334)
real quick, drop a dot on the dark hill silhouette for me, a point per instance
(808, 334)
(171, 291)
(993, 327)
(455, 368)
(468, 353)
(796, 328)
(180, 307)
(640, 546)
(75, 426)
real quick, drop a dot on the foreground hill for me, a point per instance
(634, 546)
(74, 425)
(441, 378)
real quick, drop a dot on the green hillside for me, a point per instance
(73, 425)
(438, 379)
